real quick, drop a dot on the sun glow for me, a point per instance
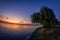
(8, 20)
(13, 26)
(15, 21)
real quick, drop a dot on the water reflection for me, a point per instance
(14, 27)
(15, 31)
(10, 26)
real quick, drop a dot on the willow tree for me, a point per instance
(45, 16)
(48, 17)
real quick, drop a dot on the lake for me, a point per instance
(16, 32)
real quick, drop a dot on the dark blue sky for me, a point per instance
(22, 9)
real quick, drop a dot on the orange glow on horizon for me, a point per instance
(13, 26)
(15, 21)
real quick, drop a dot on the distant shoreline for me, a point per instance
(21, 24)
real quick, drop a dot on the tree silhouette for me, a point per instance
(48, 17)
(48, 31)
(45, 16)
(35, 18)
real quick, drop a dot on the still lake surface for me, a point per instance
(16, 32)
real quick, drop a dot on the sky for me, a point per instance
(22, 9)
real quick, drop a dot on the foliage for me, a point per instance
(45, 16)
(35, 18)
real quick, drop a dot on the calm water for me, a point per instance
(15, 32)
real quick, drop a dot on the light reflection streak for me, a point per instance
(13, 29)
(14, 26)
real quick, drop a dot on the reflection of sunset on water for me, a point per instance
(15, 30)
(10, 26)
(14, 27)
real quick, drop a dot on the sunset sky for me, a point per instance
(20, 10)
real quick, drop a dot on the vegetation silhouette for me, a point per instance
(49, 31)
(45, 16)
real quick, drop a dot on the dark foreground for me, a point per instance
(46, 34)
